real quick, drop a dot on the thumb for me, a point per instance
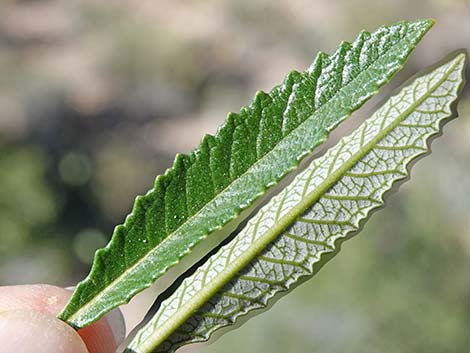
(25, 331)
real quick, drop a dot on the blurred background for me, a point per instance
(96, 97)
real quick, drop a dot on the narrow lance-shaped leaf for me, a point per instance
(303, 226)
(252, 151)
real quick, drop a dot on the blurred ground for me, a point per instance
(96, 98)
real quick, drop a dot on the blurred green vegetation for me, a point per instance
(97, 97)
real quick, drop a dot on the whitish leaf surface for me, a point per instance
(252, 151)
(303, 226)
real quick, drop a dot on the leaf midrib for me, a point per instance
(183, 313)
(170, 236)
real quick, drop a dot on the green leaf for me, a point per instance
(301, 228)
(252, 151)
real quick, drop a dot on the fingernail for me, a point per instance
(115, 321)
(117, 324)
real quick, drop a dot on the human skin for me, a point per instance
(28, 323)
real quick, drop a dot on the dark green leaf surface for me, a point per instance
(252, 151)
(300, 229)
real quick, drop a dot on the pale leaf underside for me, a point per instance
(252, 151)
(284, 243)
